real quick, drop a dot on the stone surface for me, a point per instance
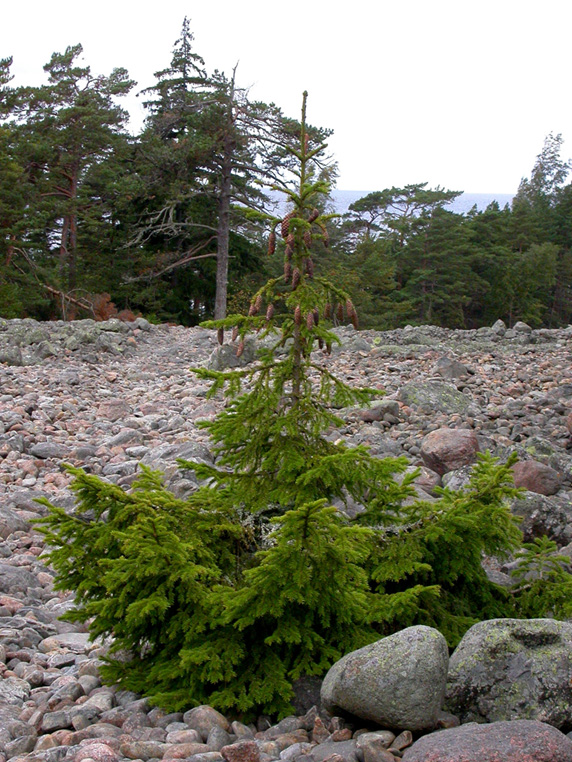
(397, 682)
(509, 669)
(106, 396)
(536, 477)
(520, 741)
(447, 449)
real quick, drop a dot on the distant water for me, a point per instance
(341, 199)
(461, 205)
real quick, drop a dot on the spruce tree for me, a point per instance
(228, 596)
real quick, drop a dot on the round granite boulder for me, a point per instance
(518, 741)
(513, 669)
(397, 682)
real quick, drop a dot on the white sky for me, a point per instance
(456, 93)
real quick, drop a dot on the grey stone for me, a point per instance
(46, 450)
(203, 718)
(13, 690)
(397, 682)
(521, 327)
(11, 355)
(513, 669)
(16, 579)
(518, 741)
(499, 327)
(225, 356)
(543, 516)
(10, 522)
(345, 749)
(450, 368)
(434, 396)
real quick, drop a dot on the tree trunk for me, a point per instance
(223, 233)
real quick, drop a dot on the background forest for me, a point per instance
(95, 220)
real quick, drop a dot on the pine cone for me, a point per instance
(235, 333)
(313, 215)
(288, 252)
(307, 238)
(340, 312)
(328, 311)
(240, 349)
(316, 312)
(298, 315)
(220, 336)
(285, 226)
(310, 321)
(269, 313)
(350, 309)
(271, 243)
(296, 277)
(310, 267)
(287, 271)
(258, 303)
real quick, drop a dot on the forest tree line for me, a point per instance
(96, 221)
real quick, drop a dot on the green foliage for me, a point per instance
(256, 579)
(543, 581)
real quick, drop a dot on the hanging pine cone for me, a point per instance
(271, 243)
(307, 238)
(314, 214)
(269, 313)
(310, 321)
(296, 277)
(287, 271)
(340, 312)
(220, 336)
(326, 238)
(285, 226)
(316, 312)
(235, 333)
(310, 267)
(298, 315)
(288, 252)
(258, 303)
(240, 348)
(350, 309)
(328, 311)
(251, 310)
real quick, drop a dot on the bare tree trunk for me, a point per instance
(223, 234)
(64, 249)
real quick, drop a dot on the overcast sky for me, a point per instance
(459, 94)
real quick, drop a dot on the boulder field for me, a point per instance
(107, 396)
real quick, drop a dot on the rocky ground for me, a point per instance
(106, 396)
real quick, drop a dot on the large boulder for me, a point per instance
(397, 682)
(513, 669)
(446, 449)
(435, 396)
(519, 741)
(543, 516)
(536, 477)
